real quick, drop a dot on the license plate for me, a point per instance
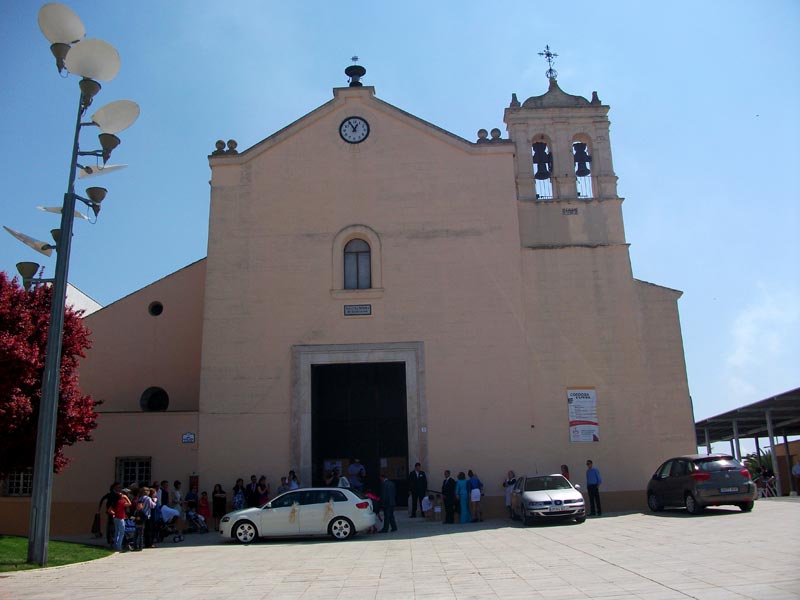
(728, 490)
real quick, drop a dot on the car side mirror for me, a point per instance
(577, 486)
(268, 505)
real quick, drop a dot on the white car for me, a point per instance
(337, 512)
(545, 498)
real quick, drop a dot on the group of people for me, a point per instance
(255, 493)
(461, 495)
(354, 477)
(145, 506)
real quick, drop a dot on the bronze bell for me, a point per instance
(543, 161)
(581, 159)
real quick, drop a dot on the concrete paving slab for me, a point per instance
(722, 554)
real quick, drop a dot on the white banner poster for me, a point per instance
(583, 426)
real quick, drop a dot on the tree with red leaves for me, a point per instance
(24, 320)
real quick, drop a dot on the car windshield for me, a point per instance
(718, 464)
(551, 482)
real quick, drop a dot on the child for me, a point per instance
(203, 508)
(427, 506)
(139, 518)
(437, 508)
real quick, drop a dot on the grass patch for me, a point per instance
(14, 553)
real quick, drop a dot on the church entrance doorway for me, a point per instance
(358, 410)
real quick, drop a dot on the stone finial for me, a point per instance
(514, 102)
(595, 99)
(220, 145)
(482, 134)
(232, 144)
(495, 133)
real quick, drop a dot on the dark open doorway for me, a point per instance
(359, 411)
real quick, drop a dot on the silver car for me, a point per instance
(546, 498)
(338, 512)
(699, 480)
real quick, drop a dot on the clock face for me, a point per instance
(354, 130)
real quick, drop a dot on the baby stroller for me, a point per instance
(165, 529)
(196, 522)
(130, 534)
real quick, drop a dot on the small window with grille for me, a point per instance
(133, 469)
(18, 483)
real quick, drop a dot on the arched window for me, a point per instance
(582, 157)
(542, 168)
(357, 267)
(154, 399)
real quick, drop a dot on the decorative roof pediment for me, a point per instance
(350, 96)
(555, 97)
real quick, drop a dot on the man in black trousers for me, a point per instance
(449, 497)
(418, 486)
(388, 502)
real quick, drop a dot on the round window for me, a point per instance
(154, 399)
(155, 308)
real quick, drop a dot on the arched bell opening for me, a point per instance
(582, 159)
(542, 159)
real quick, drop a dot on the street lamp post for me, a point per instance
(92, 60)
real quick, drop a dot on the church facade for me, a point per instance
(379, 288)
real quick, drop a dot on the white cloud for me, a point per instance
(765, 350)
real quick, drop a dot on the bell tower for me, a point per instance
(566, 186)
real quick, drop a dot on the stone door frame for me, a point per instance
(305, 356)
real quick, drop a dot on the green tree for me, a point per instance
(24, 320)
(753, 461)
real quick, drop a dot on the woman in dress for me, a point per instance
(203, 508)
(475, 487)
(508, 485)
(263, 491)
(462, 495)
(238, 495)
(219, 504)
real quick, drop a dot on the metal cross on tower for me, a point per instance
(549, 56)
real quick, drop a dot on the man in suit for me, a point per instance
(388, 502)
(418, 486)
(251, 492)
(449, 497)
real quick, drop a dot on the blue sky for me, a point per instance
(704, 116)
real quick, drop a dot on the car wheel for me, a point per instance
(746, 506)
(653, 503)
(692, 506)
(581, 519)
(526, 520)
(244, 532)
(341, 528)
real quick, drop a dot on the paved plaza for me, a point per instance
(722, 554)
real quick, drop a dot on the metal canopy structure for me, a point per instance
(777, 415)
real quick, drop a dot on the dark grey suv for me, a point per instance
(699, 480)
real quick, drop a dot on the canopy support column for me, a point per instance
(775, 468)
(792, 490)
(738, 449)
